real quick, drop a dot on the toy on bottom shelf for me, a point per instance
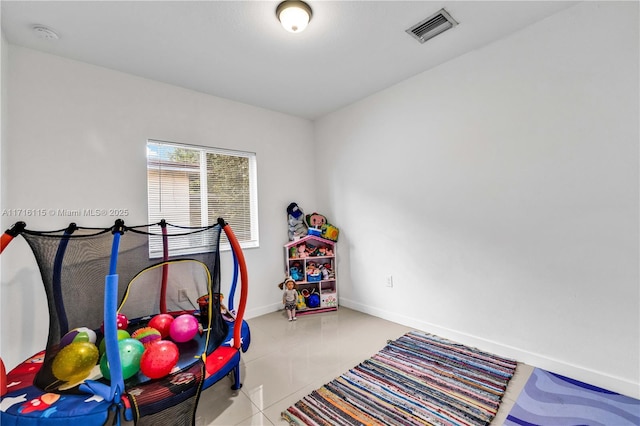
(312, 299)
(301, 303)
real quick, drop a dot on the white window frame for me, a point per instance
(155, 244)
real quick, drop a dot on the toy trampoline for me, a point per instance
(137, 329)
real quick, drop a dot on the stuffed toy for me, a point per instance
(329, 232)
(325, 272)
(319, 225)
(301, 304)
(315, 220)
(330, 273)
(295, 218)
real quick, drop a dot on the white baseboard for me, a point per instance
(262, 310)
(596, 378)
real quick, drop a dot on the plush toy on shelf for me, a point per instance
(313, 272)
(297, 226)
(329, 232)
(330, 273)
(325, 272)
(297, 274)
(301, 304)
(318, 225)
(314, 222)
(324, 252)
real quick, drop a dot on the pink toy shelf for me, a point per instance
(311, 262)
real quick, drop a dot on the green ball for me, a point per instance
(122, 334)
(130, 353)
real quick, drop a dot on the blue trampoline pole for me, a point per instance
(57, 279)
(234, 282)
(110, 313)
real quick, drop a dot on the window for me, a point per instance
(194, 186)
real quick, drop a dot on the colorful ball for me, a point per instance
(122, 322)
(75, 361)
(183, 328)
(159, 358)
(314, 301)
(80, 334)
(121, 335)
(162, 323)
(146, 335)
(131, 351)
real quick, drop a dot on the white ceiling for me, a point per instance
(238, 50)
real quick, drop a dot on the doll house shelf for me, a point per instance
(311, 262)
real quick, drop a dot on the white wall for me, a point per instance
(500, 190)
(3, 121)
(76, 138)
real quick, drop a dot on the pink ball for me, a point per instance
(183, 328)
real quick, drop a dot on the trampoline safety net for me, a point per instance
(162, 268)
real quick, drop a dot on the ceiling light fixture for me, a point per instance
(294, 15)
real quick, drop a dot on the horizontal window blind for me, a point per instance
(193, 186)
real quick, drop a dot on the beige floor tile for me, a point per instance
(256, 420)
(287, 360)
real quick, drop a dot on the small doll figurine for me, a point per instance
(302, 251)
(290, 298)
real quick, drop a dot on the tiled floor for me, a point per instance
(288, 360)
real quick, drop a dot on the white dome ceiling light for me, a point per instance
(294, 15)
(45, 33)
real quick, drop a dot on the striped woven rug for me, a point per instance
(418, 379)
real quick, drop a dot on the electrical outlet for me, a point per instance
(389, 280)
(182, 295)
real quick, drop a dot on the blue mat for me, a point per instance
(550, 399)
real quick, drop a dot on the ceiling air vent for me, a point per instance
(435, 24)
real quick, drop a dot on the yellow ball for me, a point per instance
(75, 361)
